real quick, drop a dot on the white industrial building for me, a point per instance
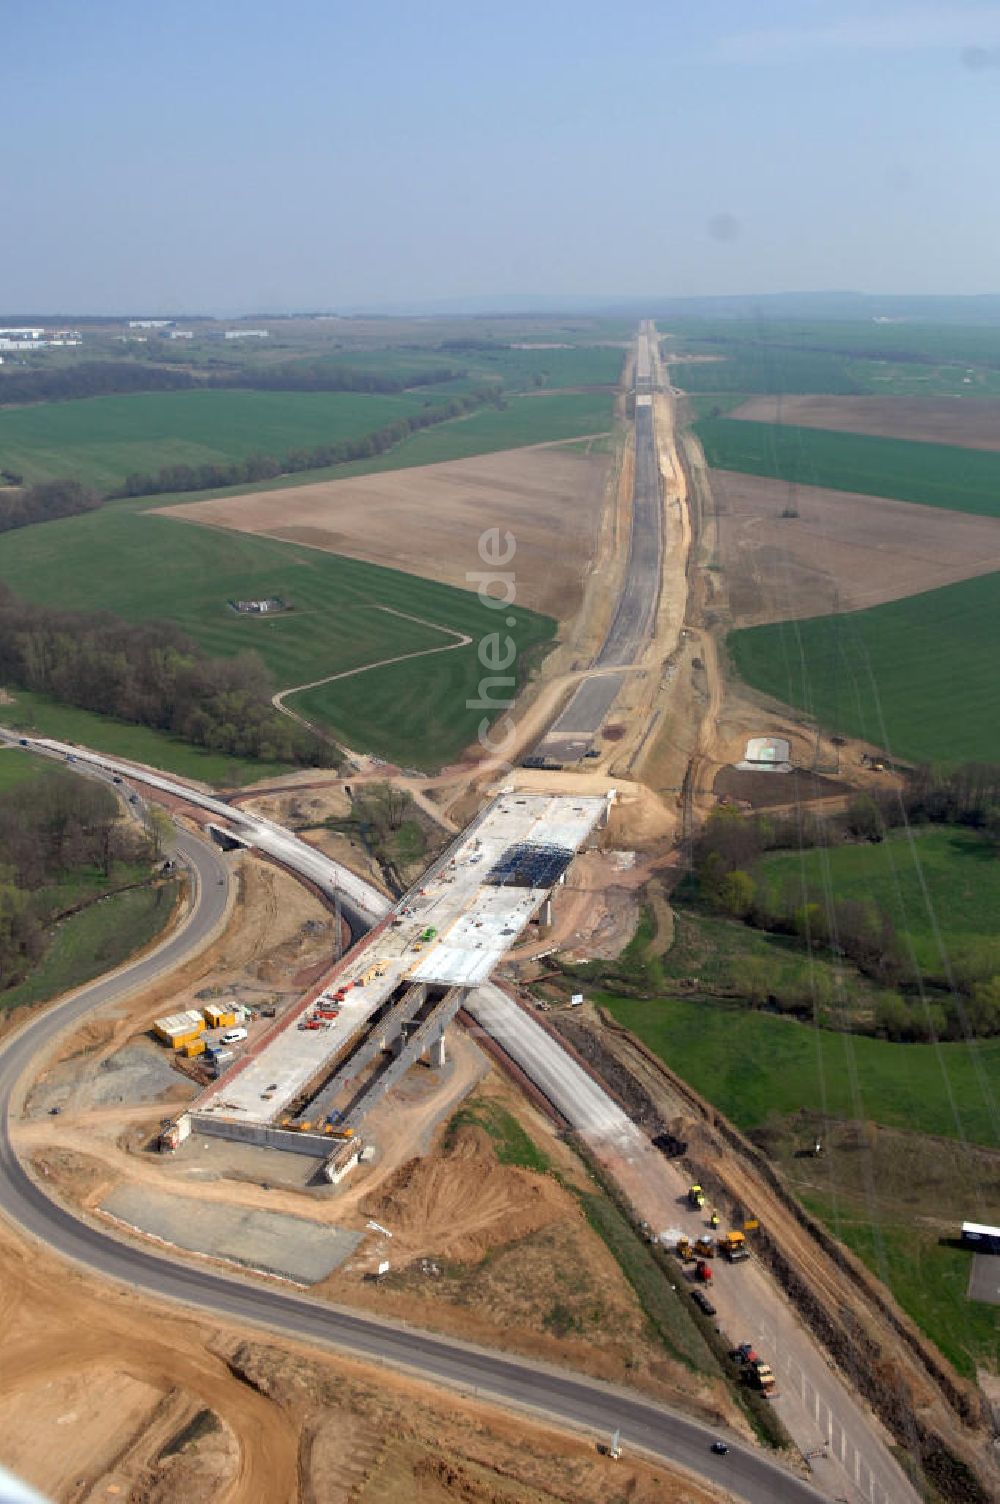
(24, 338)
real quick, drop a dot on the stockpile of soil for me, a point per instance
(461, 1203)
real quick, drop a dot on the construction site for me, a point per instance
(411, 1109)
(316, 1073)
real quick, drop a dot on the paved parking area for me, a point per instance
(274, 1242)
(984, 1278)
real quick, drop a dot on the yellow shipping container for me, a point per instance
(176, 1029)
(219, 1018)
(194, 1047)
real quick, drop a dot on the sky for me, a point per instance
(279, 155)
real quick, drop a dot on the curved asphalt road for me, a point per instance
(562, 1397)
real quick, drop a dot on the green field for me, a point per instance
(581, 365)
(927, 1277)
(99, 440)
(765, 370)
(752, 1065)
(935, 475)
(782, 356)
(971, 344)
(378, 713)
(38, 714)
(940, 887)
(63, 446)
(127, 559)
(94, 941)
(729, 957)
(18, 766)
(544, 419)
(916, 676)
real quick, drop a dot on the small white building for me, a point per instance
(150, 323)
(766, 754)
(247, 333)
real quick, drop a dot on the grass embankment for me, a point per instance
(753, 1064)
(512, 1145)
(940, 886)
(143, 566)
(96, 940)
(917, 676)
(100, 440)
(44, 717)
(934, 475)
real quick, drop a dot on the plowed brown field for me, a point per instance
(428, 520)
(842, 552)
(969, 422)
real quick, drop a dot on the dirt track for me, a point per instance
(968, 422)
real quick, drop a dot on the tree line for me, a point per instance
(151, 674)
(102, 378)
(20, 505)
(300, 376)
(964, 1000)
(257, 467)
(91, 378)
(51, 828)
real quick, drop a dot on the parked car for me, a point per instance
(234, 1036)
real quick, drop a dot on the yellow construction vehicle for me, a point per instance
(713, 1220)
(705, 1248)
(696, 1196)
(734, 1247)
(684, 1250)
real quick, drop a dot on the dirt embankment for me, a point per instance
(460, 1203)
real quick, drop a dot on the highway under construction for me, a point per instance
(310, 1079)
(321, 1067)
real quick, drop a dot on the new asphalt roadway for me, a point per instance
(635, 616)
(562, 1397)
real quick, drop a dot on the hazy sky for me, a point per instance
(225, 155)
